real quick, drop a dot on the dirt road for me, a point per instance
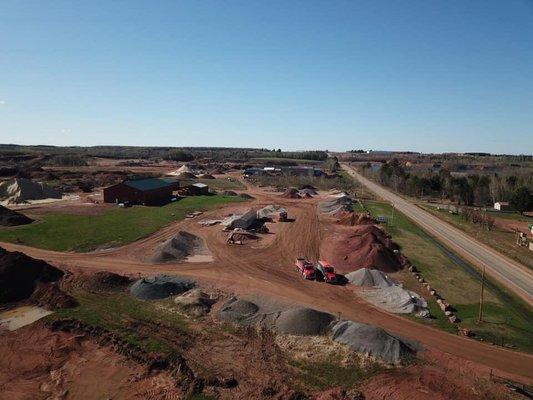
(510, 273)
(266, 268)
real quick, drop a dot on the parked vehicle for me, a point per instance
(327, 271)
(304, 267)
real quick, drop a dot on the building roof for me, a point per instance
(199, 185)
(147, 184)
(502, 203)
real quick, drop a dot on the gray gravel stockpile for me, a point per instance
(397, 300)
(270, 211)
(310, 192)
(337, 204)
(237, 310)
(178, 248)
(12, 218)
(303, 321)
(160, 287)
(369, 277)
(372, 341)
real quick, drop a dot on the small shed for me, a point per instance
(198, 189)
(501, 206)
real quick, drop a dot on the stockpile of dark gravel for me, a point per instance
(237, 310)
(104, 281)
(373, 341)
(178, 248)
(12, 218)
(229, 193)
(19, 275)
(303, 321)
(160, 287)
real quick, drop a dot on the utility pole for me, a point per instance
(480, 318)
(392, 216)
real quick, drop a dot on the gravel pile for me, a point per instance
(229, 193)
(246, 196)
(178, 248)
(194, 302)
(206, 176)
(291, 193)
(270, 211)
(186, 175)
(336, 205)
(12, 218)
(160, 287)
(308, 192)
(397, 300)
(238, 311)
(103, 281)
(302, 321)
(373, 341)
(369, 277)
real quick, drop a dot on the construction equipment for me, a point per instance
(304, 267)
(326, 270)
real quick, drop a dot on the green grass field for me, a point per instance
(117, 227)
(507, 319)
(499, 239)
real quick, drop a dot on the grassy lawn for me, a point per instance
(117, 227)
(506, 317)
(499, 239)
(120, 313)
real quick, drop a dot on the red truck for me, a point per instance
(327, 271)
(304, 267)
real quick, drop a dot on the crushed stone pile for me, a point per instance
(160, 287)
(179, 248)
(373, 341)
(307, 186)
(336, 205)
(369, 247)
(248, 220)
(308, 192)
(20, 190)
(298, 321)
(369, 278)
(12, 218)
(291, 193)
(20, 274)
(186, 175)
(397, 300)
(238, 311)
(295, 321)
(246, 196)
(229, 193)
(270, 211)
(206, 176)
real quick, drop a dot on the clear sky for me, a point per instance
(433, 76)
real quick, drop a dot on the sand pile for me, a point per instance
(12, 218)
(206, 176)
(368, 247)
(291, 193)
(183, 169)
(20, 190)
(194, 302)
(160, 287)
(337, 205)
(373, 341)
(20, 274)
(369, 278)
(397, 300)
(179, 248)
(271, 211)
(186, 175)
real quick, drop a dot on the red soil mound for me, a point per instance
(351, 218)
(368, 247)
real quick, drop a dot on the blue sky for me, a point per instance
(427, 76)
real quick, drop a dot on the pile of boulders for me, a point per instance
(442, 303)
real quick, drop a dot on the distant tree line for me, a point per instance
(474, 189)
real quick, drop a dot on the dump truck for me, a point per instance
(304, 267)
(326, 270)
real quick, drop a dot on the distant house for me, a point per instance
(151, 191)
(502, 206)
